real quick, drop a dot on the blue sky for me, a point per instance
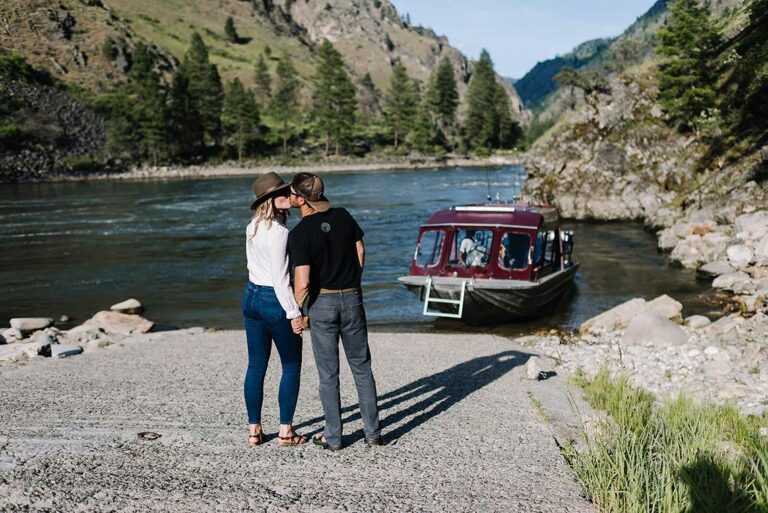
(519, 33)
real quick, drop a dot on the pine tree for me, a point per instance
(401, 103)
(507, 131)
(150, 112)
(263, 81)
(335, 103)
(230, 31)
(205, 87)
(425, 134)
(240, 116)
(481, 96)
(443, 94)
(186, 122)
(686, 77)
(285, 102)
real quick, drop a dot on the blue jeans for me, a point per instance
(265, 322)
(341, 315)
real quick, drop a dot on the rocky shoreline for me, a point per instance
(234, 169)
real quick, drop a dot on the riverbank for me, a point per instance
(452, 406)
(322, 166)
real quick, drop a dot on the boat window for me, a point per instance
(514, 251)
(471, 248)
(549, 248)
(429, 248)
(545, 248)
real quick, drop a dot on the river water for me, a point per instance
(178, 247)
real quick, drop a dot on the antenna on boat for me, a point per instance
(488, 180)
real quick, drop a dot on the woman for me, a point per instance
(270, 311)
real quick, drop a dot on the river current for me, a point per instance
(178, 246)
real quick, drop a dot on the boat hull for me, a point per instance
(496, 301)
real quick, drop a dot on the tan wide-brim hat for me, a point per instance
(265, 186)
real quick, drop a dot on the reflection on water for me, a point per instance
(75, 248)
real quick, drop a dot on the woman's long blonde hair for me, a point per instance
(267, 213)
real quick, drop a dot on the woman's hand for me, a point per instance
(297, 324)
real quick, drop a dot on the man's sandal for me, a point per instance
(292, 439)
(254, 440)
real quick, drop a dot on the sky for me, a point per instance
(519, 33)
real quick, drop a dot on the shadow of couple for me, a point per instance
(432, 394)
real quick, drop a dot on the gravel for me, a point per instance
(462, 432)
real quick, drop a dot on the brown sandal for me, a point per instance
(293, 439)
(259, 439)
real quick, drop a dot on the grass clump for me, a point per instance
(675, 456)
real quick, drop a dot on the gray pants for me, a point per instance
(331, 316)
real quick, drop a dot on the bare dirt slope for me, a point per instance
(463, 433)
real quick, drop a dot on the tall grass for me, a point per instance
(676, 456)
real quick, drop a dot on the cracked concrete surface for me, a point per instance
(462, 432)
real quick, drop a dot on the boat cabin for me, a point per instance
(492, 241)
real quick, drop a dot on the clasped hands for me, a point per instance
(299, 324)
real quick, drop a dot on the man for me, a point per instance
(328, 254)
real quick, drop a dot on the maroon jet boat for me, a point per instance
(491, 263)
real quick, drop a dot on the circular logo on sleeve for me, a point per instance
(325, 227)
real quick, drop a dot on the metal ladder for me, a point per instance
(458, 302)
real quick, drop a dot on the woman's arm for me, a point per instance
(279, 270)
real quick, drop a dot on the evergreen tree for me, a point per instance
(334, 101)
(443, 94)
(186, 122)
(230, 31)
(205, 87)
(150, 114)
(240, 116)
(481, 100)
(425, 134)
(285, 102)
(508, 131)
(686, 77)
(263, 81)
(401, 104)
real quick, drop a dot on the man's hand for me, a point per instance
(305, 322)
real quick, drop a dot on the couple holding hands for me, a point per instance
(327, 254)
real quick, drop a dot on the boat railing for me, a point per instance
(458, 302)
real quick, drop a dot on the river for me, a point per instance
(77, 247)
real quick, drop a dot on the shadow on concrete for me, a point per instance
(434, 395)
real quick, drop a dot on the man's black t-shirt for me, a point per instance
(326, 241)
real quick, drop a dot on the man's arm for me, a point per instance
(301, 286)
(361, 253)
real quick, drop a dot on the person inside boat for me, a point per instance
(472, 251)
(515, 248)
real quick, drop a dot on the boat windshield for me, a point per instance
(515, 250)
(471, 248)
(429, 248)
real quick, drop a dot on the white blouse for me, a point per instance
(267, 255)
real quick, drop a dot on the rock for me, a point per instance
(12, 335)
(63, 351)
(715, 268)
(666, 307)
(751, 303)
(752, 226)
(129, 306)
(30, 324)
(738, 282)
(688, 252)
(64, 318)
(697, 321)
(98, 343)
(120, 323)
(533, 369)
(761, 251)
(739, 256)
(653, 328)
(16, 352)
(717, 368)
(84, 333)
(617, 317)
(711, 350)
(667, 239)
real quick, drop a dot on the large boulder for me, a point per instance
(117, 323)
(615, 318)
(739, 256)
(12, 335)
(16, 352)
(129, 306)
(30, 324)
(697, 321)
(651, 328)
(716, 268)
(666, 307)
(752, 226)
(738, 282)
